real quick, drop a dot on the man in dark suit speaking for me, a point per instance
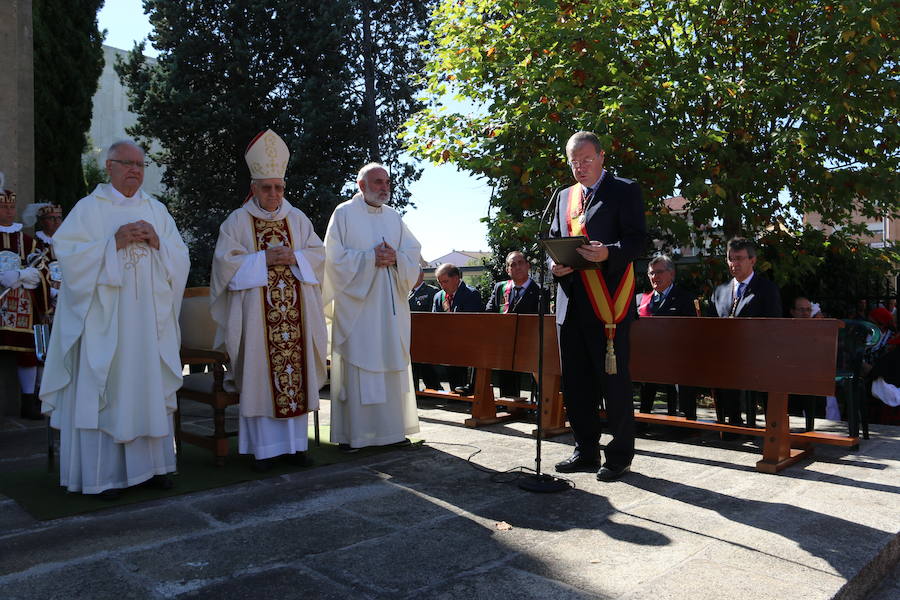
(747, 294)
(594, 306)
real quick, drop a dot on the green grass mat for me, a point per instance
(39, 493)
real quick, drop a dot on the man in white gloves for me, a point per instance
(24, 303)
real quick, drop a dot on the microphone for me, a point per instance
(555, 205)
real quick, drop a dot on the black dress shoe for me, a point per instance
(464, 390)
(347, 448)
(161, 482)
(31, 407)
(298, 459)
(577, 463)
(261, 465)
(611, 473)
(110, 494)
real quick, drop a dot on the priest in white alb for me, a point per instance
(113, 364)
(372, 263)
(266, 297)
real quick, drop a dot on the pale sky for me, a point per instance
(449, 203)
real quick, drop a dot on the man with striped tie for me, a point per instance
(520, 295)
(594, 306)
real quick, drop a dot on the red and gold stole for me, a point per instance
(609, 309)
(283, 319)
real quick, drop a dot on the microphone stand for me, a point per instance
(542, 482)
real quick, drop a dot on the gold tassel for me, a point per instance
(610, 351)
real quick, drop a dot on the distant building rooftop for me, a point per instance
(460, 258)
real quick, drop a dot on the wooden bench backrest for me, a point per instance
(795, 356)
(481, 340)
(768, 355)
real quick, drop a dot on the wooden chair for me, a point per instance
(198, 331)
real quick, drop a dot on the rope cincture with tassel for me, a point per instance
(610, 349)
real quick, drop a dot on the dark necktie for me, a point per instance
(515, 297)
(738, 294)
(655, 302)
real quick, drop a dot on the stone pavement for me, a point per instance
(694, 521)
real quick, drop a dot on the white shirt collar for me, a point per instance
(597, 183)
(14, 228)
(665, 292)
(747, 281)
(120, 199)
(44, 237)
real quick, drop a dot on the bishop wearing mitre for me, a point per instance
(266, 298)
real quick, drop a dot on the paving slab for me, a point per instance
(77, 538)
(447, 520)
(98, 580)
(187, 563)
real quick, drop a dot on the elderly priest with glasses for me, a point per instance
(266, 294)
(113, 363)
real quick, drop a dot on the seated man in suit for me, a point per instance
(667, 299)
(456, 296)
(747, 294)
(520, 295)
(802, 308)
(420, 299)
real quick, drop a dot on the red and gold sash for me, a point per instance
(283, 319)
(609, 309)
(507, 292)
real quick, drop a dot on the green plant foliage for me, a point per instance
(755, 112)
(93, 173)
(834, 270)
(384, 51)
(228, 70)
(68, 60)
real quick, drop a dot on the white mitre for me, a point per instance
(267, 156)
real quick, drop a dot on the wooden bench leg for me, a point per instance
(777, 451)
(484, 411)
(219, 435)
(553, 413)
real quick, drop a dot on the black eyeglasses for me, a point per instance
(130, 163)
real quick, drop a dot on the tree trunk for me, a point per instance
(368, 52)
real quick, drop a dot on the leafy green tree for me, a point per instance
(384, 51)
(228, 70)
(68, 60)
(755, 112)
(225, 72)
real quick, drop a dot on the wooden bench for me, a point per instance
(775, 356)
(484, 341)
